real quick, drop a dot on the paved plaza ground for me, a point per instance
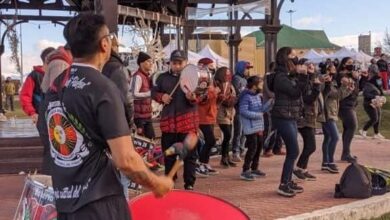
(258, 199)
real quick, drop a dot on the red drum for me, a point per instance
(183, 205)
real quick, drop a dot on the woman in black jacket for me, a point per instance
(347, 111)
(372, 105)
(287, 86)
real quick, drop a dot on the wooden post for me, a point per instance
(109, 9)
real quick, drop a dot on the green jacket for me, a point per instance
(332, 96)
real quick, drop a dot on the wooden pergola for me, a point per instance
(164, 11)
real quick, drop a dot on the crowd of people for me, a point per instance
(85, 118)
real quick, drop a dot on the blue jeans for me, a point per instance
(125, 183)
(331, 137)
(287, 128)
(238, 136)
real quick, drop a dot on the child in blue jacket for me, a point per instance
(251, 115)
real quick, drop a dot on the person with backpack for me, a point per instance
(226, 101)
(239, 82)
(312, 108)
(141, 91)
(31, 94)
(347, 111)
(288, 85)
(373, 101)
(332, 94)
(251, 115)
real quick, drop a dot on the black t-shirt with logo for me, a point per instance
(91, 112)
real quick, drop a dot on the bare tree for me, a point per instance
(386, 41)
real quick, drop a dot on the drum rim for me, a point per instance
(131, 201)
(197, 72)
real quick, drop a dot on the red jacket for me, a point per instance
(31, 93)
(143, 106)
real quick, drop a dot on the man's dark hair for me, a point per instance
(46, 52)
(82, 34)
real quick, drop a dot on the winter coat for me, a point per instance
(31, 94)
(288, 90)
(226, 109)
(251, 112)
(332, 95)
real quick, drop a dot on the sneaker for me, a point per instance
(189, 187)
(330, 167)
(309, 176)
(247, 176)
(363, 133)
(284, 190)
(299, 174)
(258, 173)
(379, 136)
(349, 159)
(201, 171)
(236, 158)
(210, 170)
(293, 186)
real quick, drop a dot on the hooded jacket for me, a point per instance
(239, 81)
(31, 94)
(115, 70)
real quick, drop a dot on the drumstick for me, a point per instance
(176, 167)
(174, 89)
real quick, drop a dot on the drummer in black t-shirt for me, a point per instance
(85, 120)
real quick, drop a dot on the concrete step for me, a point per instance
(21, 152)
(20, 142)
(13, 166)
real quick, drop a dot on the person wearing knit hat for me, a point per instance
(207, 63)
(141, 91)
(142, 57)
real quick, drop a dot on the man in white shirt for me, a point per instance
(141, 87)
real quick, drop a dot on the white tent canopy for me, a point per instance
(193, 57)
(313, 56)
(209, 53)
(324, 54)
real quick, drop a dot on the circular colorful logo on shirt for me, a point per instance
(62, 134)
(67, 146)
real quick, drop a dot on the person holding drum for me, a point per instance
(141, 89)
(208, 64)
(88, 133)
(179, 115)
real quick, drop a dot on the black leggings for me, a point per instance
(349, 119)
(374, 114)
(209, 138)
(147, 127)
(254, 144)
(227, 135)
(309, 146)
